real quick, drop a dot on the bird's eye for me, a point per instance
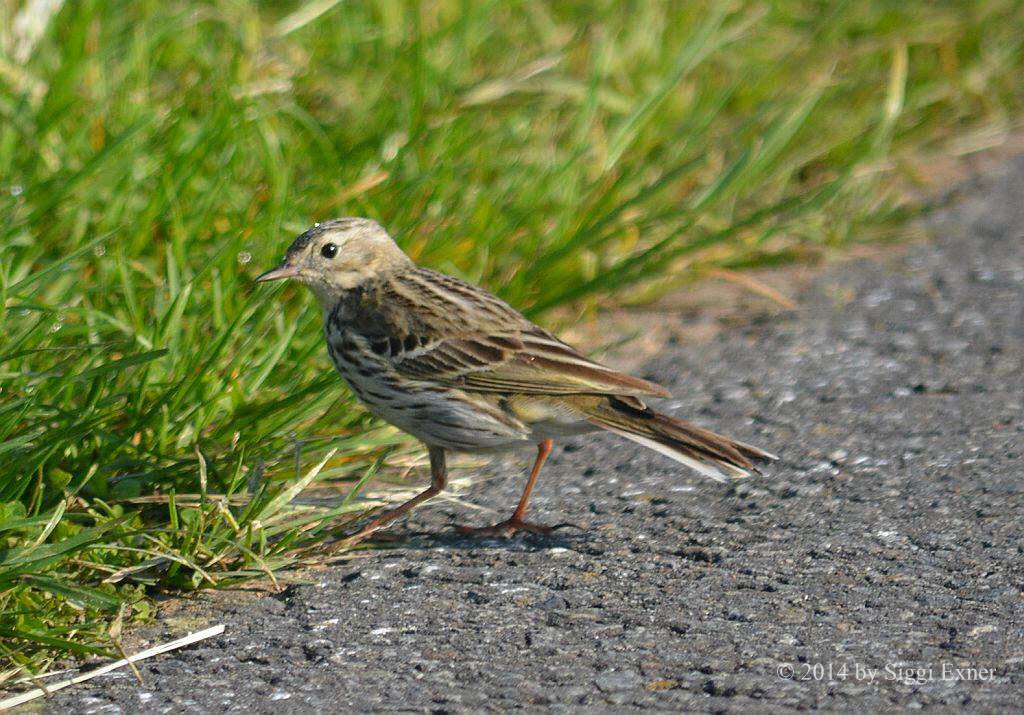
(329, 250)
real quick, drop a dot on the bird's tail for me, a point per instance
(710, 454)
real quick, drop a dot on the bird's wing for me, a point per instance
(476, 341)
(529, 363)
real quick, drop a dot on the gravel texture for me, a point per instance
(877, 566)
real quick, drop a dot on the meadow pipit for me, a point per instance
(461, 370)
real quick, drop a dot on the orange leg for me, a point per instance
(515, 522)
(438, 479)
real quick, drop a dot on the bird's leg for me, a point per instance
(515, 522)
(438, 479)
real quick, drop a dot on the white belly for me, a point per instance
(451, 420)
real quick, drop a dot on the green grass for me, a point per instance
(155, 156)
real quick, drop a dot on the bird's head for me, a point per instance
(336, 256)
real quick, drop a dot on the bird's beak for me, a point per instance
(280, 273)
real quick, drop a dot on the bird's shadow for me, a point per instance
(567, 536)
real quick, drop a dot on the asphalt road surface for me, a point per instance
(877, 566)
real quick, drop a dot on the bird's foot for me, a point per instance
(507, 528)
(376, 535)
(347, 543)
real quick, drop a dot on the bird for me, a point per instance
(462, 371)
